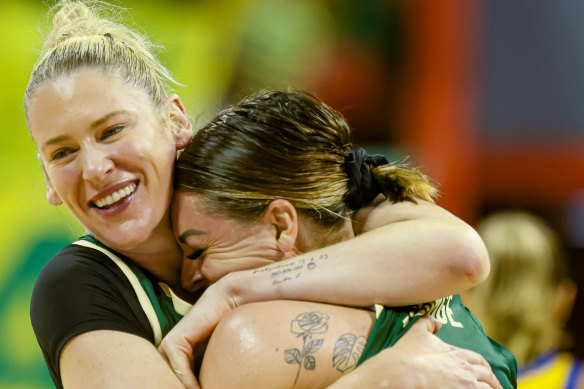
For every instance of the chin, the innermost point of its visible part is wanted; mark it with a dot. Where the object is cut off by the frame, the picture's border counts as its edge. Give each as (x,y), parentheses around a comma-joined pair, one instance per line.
(121,241)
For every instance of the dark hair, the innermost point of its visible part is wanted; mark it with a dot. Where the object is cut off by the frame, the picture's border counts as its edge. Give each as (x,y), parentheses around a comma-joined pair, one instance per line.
(281,145)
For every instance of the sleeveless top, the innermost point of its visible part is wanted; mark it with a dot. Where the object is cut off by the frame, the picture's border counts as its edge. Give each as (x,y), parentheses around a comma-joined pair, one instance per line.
(459,328)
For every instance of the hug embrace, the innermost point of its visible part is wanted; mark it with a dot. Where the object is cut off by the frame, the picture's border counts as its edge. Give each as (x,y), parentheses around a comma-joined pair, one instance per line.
(275,227)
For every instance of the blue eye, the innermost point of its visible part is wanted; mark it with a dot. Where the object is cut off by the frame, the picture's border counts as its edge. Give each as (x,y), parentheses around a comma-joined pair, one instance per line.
(111,132)
(195,254)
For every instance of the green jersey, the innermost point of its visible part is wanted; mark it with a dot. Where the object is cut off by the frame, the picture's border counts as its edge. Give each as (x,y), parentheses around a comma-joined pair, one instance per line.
(459,328)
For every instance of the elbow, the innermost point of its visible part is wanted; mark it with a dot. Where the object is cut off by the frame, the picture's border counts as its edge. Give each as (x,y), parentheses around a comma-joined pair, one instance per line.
(471,262)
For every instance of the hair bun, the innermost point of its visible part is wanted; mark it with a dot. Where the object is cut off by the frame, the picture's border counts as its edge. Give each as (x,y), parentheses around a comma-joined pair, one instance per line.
(80,19)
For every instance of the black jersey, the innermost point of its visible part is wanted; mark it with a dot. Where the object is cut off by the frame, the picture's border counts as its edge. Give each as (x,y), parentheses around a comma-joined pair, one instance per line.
(88,287)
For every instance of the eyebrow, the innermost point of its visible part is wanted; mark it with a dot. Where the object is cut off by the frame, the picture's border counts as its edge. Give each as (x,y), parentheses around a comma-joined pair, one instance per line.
(190,232)
(104,118)
(54,140)
(63,137)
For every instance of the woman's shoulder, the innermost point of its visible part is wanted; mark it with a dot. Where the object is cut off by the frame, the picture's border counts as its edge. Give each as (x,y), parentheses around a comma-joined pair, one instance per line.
(81,289)
(79,275)
(74,258)
(72,267)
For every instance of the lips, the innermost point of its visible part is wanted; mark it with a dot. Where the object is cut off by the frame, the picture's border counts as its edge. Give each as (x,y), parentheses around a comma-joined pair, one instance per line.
(115,199)
(109,200)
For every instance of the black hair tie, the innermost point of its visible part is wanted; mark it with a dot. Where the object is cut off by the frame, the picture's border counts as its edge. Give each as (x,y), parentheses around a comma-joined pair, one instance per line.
(363,187)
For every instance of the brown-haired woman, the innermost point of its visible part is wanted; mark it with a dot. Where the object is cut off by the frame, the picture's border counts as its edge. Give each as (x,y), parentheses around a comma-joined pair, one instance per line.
(107,127)
(306,185)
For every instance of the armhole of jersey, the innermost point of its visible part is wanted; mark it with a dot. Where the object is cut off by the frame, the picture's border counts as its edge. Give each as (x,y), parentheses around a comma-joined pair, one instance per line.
(179,305)
(143,299)
(378,309)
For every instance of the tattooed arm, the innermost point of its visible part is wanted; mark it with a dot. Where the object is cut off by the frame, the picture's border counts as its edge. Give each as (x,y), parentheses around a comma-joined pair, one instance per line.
(422,244)
(285,344)
(401,247)
(291,344)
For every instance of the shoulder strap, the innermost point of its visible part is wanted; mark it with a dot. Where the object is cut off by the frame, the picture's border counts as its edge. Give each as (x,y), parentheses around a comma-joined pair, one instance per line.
(143,299)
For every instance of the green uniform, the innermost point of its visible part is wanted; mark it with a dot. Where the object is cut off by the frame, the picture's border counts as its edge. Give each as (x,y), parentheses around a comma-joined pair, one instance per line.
(459,328)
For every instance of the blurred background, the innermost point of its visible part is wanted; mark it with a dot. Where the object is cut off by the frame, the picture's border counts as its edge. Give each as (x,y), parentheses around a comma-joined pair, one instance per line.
(487,97)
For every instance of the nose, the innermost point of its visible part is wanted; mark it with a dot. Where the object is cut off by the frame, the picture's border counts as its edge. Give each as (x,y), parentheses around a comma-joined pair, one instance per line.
(96,163)
(191,273)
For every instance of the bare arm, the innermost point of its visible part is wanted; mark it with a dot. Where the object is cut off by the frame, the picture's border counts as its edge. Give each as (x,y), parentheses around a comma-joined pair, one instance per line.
(269,345)
(113,359)
(421,244)
(402,246)
(285,344)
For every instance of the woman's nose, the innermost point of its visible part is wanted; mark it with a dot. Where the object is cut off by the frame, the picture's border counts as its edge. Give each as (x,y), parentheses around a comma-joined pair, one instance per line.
(96,163)
(190,273)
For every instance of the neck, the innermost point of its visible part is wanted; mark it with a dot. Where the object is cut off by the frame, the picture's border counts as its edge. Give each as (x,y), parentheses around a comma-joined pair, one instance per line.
(159,255)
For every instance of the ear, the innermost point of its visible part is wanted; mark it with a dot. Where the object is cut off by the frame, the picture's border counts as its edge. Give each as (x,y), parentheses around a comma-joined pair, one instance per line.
(181,127)
(52,195)
(282,215)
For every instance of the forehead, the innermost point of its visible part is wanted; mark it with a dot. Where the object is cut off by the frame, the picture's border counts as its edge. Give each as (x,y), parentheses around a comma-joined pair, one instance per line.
(78,99)
(190,212)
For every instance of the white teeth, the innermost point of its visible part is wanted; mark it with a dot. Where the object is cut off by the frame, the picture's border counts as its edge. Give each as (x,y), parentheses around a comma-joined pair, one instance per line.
(116,196)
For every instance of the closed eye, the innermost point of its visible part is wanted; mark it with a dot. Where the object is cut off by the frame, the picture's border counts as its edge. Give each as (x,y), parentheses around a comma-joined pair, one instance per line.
(195,254)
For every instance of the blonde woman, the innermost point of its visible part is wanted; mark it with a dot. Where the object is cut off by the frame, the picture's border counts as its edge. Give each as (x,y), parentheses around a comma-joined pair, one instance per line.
(528,298)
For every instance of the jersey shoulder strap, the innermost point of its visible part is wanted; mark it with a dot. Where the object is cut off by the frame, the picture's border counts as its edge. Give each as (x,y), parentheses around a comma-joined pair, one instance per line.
(143,298)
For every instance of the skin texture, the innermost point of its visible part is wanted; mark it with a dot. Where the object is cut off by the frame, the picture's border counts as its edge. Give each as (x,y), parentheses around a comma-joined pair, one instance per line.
(216,246)
(251,340)
(113,359)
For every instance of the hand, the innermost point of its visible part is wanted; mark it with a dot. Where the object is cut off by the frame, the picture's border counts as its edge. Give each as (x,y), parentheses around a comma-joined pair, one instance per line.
(421,360)
(440,365)
(197,325)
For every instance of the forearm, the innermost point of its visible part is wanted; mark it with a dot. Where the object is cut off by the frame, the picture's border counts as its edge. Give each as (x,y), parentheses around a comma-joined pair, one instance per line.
(384,266)
(112,359)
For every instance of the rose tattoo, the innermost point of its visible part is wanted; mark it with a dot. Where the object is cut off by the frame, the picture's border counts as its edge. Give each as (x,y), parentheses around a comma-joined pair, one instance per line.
(306,325)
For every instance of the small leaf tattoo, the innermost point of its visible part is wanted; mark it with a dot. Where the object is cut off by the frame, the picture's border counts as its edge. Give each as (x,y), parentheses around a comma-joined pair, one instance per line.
(347,352)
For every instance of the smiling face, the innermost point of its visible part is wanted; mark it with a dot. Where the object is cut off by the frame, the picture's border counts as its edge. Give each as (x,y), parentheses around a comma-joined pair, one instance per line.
(107,155)
(214,246)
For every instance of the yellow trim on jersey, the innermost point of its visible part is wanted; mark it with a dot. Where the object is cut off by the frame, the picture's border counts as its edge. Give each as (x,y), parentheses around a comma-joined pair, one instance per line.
(140,293)
(180,306)
(378,310)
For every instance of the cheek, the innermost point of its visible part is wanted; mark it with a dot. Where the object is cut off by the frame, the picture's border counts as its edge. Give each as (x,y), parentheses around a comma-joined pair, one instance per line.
(158,148)
(156,153)
(63,178)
